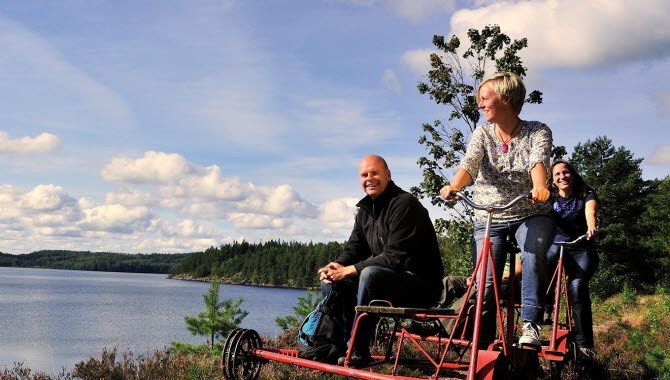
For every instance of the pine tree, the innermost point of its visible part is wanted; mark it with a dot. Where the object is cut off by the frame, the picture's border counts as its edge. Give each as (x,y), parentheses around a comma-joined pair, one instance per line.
(305,306)
(617,178)
(219,317)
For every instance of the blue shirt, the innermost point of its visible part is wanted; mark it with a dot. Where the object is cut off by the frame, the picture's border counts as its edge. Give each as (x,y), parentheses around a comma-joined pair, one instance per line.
(570,215)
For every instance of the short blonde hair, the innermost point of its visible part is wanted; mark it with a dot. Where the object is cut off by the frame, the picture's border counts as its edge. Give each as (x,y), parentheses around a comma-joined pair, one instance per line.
(508,87)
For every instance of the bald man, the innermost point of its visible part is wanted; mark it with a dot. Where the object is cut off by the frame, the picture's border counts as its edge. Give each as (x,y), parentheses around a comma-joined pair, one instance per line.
(392,253)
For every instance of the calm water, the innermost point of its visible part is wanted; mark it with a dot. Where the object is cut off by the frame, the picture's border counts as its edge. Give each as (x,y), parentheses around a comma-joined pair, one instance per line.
(55,318)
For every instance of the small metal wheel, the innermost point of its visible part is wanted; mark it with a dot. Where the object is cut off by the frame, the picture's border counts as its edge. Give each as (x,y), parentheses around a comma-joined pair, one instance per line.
(227,352)
(232,336)
(382,333)
(238,358)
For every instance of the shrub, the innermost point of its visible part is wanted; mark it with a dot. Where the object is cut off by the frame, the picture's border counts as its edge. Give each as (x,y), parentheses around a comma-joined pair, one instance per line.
(635,346)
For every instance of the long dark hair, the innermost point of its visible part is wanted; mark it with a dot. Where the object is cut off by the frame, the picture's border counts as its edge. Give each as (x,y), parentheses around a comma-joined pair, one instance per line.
(579,186)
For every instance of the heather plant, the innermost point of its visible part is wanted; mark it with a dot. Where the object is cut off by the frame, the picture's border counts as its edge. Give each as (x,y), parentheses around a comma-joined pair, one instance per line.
(635,344)
(161,365)
(21,372)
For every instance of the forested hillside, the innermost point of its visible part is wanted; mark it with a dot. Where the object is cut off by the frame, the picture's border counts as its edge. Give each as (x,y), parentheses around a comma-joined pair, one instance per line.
(274,263)
(94,261)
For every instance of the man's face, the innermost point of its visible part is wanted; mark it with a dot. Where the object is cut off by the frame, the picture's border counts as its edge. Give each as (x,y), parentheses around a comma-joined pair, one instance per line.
(374,176)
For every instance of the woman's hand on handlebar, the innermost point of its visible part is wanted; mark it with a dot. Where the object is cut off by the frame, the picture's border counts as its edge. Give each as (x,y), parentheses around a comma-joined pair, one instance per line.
(591,233)
(539,194)
(446,191)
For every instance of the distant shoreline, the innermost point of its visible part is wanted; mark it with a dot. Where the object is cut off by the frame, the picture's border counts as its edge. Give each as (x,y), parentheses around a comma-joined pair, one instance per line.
(188,277)
(181,277)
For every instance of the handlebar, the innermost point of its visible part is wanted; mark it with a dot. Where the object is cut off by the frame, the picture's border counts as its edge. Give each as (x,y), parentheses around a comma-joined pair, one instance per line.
(571,243)
(490,208)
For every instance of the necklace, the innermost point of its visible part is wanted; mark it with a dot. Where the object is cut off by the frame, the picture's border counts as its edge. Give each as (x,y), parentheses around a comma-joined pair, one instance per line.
(504,148)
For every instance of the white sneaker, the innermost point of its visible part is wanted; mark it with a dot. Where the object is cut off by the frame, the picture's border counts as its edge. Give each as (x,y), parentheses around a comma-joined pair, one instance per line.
(531,335)
(587,353)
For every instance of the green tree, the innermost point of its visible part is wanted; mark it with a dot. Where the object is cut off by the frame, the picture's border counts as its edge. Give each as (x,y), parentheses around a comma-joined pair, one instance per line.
(617,178)
(219,317)
(455,245)
(305,306)
(656,230)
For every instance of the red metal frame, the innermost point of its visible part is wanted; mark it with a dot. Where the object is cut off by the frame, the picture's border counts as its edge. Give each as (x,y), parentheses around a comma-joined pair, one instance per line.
(561,333)
(481,364)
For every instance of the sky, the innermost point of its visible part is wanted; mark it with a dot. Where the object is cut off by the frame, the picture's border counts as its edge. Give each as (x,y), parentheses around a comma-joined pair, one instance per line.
(173,126)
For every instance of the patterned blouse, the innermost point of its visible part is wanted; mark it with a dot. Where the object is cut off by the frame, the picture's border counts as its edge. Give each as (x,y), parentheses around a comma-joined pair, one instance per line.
(499,177)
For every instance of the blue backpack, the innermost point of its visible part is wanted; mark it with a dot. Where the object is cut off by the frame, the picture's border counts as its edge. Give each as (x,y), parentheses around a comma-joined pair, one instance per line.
(323,334)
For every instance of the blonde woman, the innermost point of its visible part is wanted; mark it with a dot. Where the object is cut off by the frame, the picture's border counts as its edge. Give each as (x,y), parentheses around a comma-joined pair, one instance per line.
(506,157)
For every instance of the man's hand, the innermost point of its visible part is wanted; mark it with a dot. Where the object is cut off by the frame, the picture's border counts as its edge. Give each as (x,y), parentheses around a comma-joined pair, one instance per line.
(334,272)
(540,194)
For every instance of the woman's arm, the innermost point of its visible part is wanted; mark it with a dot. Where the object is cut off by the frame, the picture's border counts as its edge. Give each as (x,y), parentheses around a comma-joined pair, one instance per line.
(591,211)
(469,166)
(539,176)
(460,180)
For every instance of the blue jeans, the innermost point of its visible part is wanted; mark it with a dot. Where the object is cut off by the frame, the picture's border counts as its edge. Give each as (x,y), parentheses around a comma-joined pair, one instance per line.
(534,235)
(580,265)
(378,283)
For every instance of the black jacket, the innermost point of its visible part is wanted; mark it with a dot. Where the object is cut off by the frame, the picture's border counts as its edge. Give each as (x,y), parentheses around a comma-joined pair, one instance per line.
(394,231)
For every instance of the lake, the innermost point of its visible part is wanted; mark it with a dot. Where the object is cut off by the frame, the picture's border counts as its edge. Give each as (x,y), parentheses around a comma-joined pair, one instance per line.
(53,318)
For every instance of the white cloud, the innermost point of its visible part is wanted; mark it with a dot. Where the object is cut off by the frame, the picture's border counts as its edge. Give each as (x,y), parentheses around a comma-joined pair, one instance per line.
(660,156)
(54,219)
(129,197)
(338,213)
(576,33)
(190,228)
(186,228)
(283,198)
(390,81)
(204,192)
(154,167)
(255,221)
(203,210)
(418,60)
(9,195)
(207,183)
(62,231)
(44,142)
(46,198)
(281,201)
(116,218)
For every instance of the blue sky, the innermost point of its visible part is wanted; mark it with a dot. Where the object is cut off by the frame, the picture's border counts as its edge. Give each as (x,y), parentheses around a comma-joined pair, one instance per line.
(172,126)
